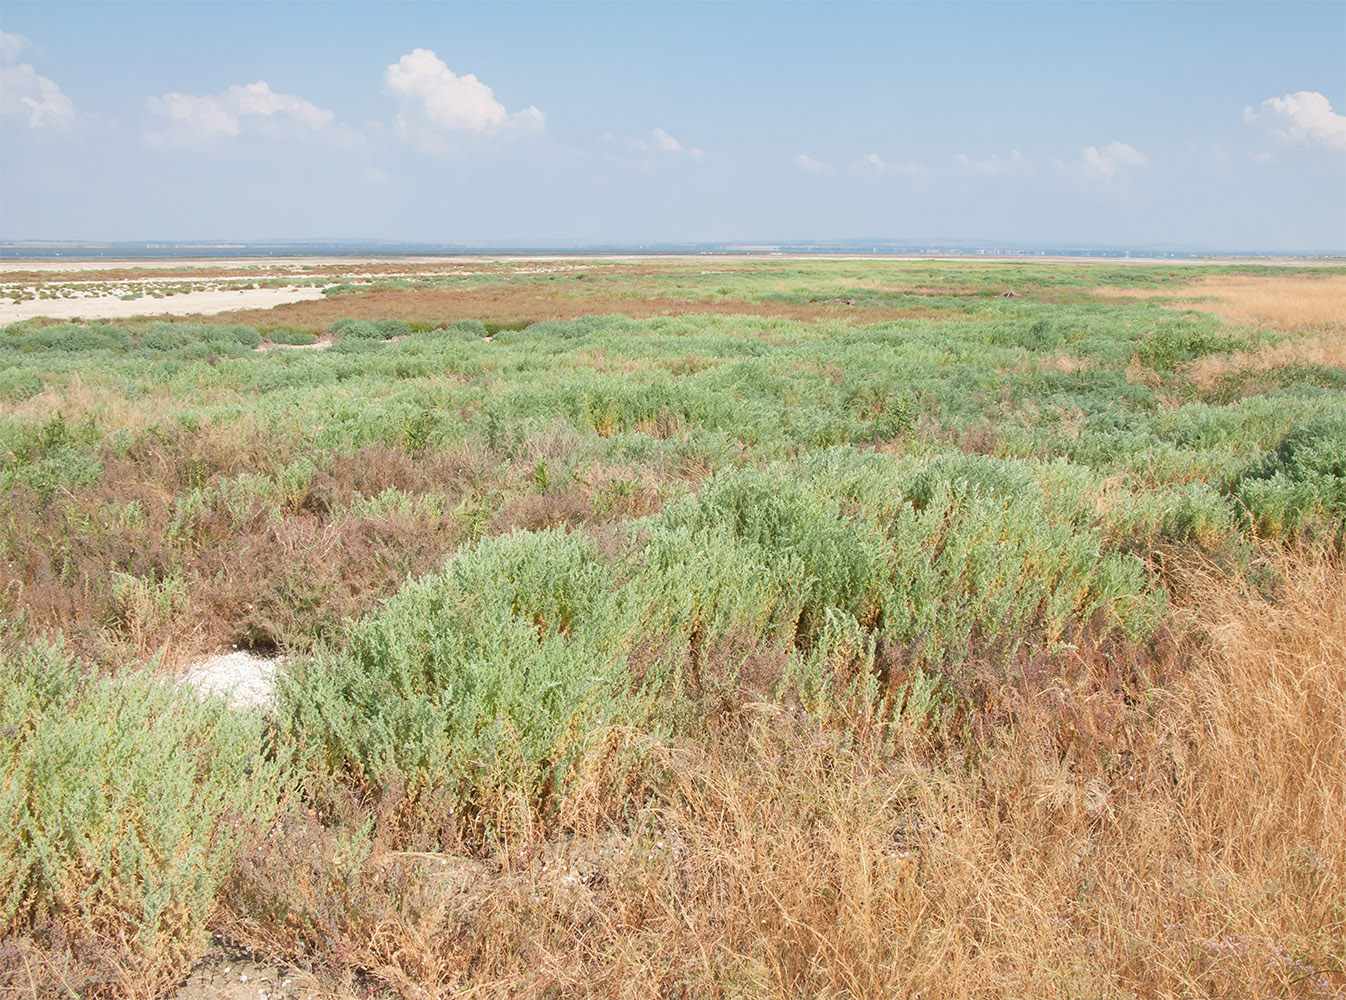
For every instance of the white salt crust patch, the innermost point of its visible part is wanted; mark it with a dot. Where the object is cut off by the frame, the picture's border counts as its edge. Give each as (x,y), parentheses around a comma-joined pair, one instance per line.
(247,680)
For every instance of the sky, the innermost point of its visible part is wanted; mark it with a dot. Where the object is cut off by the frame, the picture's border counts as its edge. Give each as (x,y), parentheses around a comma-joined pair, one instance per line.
(1209,126)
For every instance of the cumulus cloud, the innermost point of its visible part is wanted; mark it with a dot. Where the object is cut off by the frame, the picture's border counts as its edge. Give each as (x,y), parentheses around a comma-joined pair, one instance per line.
(198,120)
(811,166)
(1305,117)
(1104,163)
(37,98)
(995,164)
(436,101)
(25,94)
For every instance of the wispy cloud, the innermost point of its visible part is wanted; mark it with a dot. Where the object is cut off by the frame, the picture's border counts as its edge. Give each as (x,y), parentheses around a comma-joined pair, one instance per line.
(873,164)
(1104,163)
(657,142)
(11,46)
(811,166)
(1305,118)
(995,164)
(26,94)
(435,102)
(195,120)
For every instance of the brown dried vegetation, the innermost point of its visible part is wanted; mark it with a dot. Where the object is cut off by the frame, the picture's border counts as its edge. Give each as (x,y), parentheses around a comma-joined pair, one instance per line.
(1186,839)
(509,306)
(1327,349)
(1280,302)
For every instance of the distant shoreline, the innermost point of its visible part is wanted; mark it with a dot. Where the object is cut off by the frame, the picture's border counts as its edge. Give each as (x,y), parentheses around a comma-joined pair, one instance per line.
(52,262)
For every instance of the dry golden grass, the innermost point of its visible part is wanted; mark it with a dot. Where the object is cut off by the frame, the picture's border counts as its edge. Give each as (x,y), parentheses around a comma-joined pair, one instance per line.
(1328,348)
(1192,844)
(77,400)
(1289,302)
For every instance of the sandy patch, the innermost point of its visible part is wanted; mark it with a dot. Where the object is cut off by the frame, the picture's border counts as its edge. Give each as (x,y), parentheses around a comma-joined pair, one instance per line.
(221,976)
(321,344)
(197,303)
(1283,303)
(247,680)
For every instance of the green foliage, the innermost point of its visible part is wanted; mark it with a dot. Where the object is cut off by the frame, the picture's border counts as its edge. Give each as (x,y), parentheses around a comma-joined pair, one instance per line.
(1172,344)
(498,673)
(293,338)
(362,329)
(122,805)
(17,385)
(1300,482)
(69,338)
(467,329)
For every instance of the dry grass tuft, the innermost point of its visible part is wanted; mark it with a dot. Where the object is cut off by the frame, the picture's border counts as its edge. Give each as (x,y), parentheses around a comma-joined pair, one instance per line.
(1289,302)
(1327,349)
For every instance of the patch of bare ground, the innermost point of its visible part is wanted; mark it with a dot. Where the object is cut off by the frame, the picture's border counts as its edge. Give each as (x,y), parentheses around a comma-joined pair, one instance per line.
(1282,303)
(225,976)
(321,344)
(247,680)
(203,303)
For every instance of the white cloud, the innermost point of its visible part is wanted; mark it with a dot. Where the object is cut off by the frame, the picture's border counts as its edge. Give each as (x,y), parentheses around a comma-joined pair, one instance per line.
(811,166)
(1305,117)
(658,142)
(435,101)
(1263,157)
(195,120)
(1104,163)
(995,164)
(40,100)
(26,94)
(664,141)
(374,175)
(11,45)
(873,165)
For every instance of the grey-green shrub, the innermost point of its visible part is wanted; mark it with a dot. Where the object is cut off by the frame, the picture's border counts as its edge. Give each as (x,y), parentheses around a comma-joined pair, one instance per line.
(123,801)
(1301,480)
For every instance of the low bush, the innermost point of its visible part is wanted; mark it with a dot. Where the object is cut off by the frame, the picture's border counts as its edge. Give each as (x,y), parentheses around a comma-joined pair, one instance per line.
(292,338)
(1302,481)
(123,804)
(365,329)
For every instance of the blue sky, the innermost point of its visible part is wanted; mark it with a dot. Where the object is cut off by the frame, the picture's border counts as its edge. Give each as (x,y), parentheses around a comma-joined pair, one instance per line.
(1208,125)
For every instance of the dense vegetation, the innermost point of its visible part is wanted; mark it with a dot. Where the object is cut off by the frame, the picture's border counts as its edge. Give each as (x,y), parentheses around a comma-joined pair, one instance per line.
(665,654)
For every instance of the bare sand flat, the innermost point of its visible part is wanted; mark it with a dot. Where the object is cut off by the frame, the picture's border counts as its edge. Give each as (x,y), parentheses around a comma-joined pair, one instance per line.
(114,307)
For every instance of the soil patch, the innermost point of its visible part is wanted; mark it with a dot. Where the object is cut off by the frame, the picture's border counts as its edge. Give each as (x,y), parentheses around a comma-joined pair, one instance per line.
(113,307)
(222,976)
(246,679)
